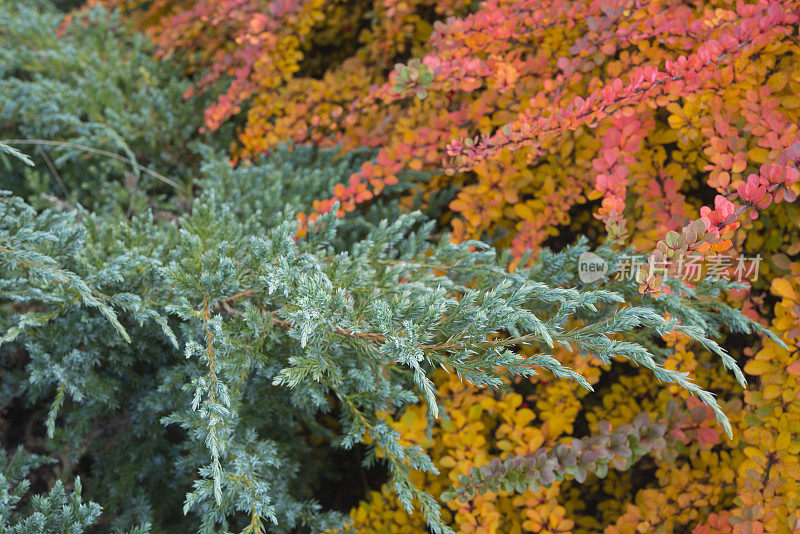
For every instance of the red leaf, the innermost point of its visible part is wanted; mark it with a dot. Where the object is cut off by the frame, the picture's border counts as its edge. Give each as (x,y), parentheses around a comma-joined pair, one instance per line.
(707,436)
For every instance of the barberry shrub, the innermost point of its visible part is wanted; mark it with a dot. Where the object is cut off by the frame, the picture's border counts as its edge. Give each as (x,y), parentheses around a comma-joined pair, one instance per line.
(548,104)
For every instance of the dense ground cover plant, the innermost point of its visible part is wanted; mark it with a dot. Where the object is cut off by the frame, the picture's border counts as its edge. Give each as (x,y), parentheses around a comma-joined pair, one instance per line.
(666,139)
(102,119)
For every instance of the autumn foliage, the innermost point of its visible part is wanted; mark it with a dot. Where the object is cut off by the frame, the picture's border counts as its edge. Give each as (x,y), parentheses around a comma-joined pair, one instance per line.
(668,125)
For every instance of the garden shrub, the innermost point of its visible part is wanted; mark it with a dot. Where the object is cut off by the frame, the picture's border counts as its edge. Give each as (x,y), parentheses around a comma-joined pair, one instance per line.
(524,70)
(97,89)
(54,512)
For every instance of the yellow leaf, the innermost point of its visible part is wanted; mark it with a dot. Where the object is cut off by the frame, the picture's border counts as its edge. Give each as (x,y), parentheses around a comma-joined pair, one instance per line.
(676,121)
(594,194)
(447,461)
(783,441)
(757,367)
(475,412)
(523,416)
(664,137)
(790,102)
(752,452)
(487,403)
(504,445)
(782,287)
(772,391)
(523,211)
(758,154)
(778,81)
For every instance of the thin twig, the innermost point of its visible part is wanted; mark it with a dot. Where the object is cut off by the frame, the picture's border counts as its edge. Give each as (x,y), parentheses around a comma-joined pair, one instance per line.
(98,151)
(133,181)
(53,170)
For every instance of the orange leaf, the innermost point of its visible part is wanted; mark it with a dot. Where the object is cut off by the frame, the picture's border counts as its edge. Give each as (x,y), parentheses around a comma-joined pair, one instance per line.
(782,287)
